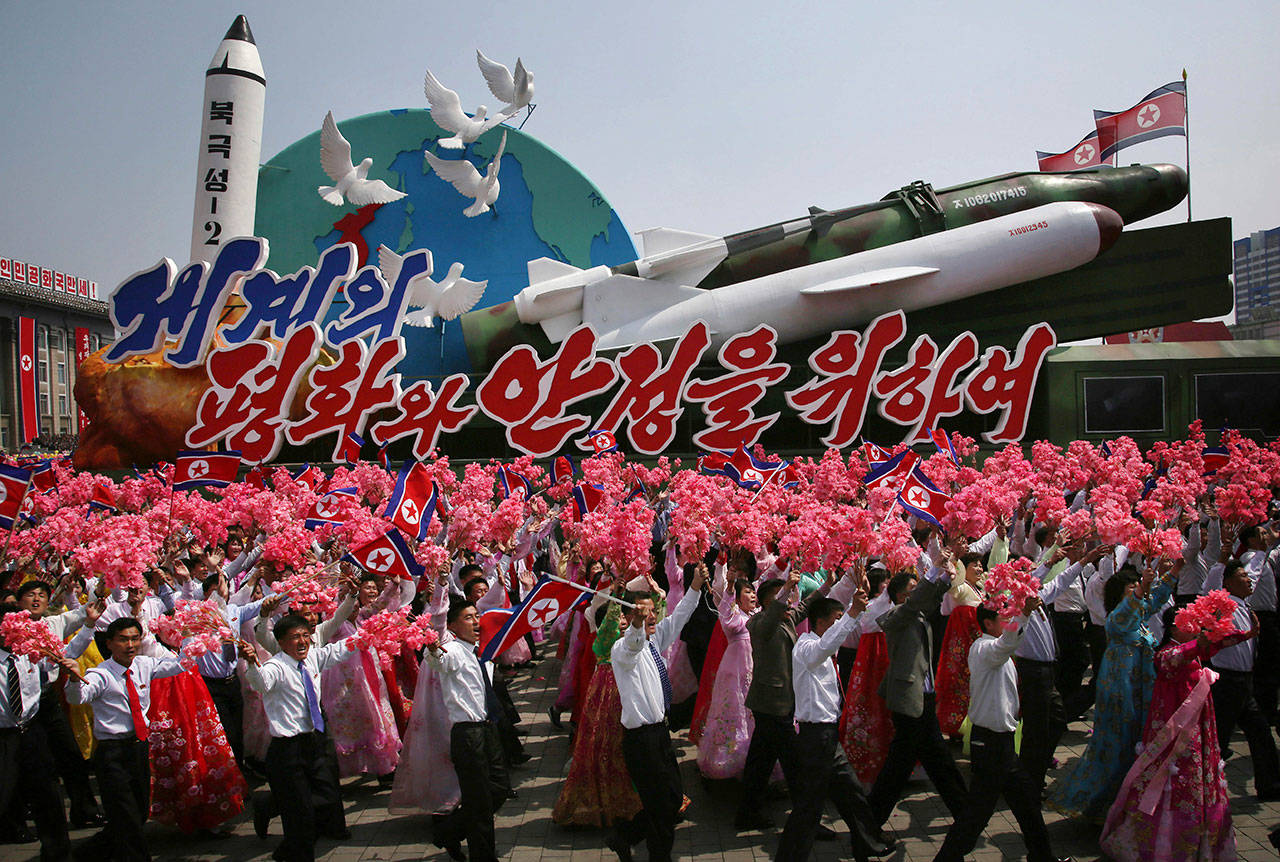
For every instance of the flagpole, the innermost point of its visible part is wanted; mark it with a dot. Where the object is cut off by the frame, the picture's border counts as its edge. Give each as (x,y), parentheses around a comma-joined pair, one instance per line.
(1186,129)
(587,589)
(762,484)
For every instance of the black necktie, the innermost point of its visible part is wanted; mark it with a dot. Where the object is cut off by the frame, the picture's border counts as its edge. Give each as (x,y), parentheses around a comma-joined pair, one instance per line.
(492,707)
(15,691)
(662,677)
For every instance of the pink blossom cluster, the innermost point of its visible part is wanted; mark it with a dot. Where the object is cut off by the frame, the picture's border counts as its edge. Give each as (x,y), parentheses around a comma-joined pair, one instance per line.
(1009,585)
(700,503)
(306,589)
(388,631)
(1210,615)
(119,548)
(200,622)
(434,558)
(27,635)
(620,536)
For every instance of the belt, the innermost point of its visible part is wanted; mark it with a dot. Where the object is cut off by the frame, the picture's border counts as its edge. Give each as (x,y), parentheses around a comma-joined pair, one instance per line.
(471,723)
(21,728)
(1034,661)
(228,678)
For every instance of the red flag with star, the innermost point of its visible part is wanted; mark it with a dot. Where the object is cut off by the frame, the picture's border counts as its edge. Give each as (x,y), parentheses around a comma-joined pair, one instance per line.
(1162,112)
(1086,154)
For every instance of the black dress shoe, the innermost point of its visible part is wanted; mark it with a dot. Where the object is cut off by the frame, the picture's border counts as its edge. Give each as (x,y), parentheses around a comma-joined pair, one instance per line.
(825,833)
(454,849)
(20,835)
(619,845)
(83,820)
(554,715)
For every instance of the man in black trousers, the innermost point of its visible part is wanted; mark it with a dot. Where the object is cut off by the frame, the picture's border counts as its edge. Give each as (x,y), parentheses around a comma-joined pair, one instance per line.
(645,691)
(26,764)
(996,768)
(908,690)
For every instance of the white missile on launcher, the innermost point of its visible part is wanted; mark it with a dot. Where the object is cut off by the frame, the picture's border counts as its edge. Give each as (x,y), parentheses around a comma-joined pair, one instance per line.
(235,91)
(811,300)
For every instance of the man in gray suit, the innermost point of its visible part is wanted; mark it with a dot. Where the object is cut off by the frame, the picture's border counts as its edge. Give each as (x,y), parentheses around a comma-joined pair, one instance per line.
(908,691)
(770,697)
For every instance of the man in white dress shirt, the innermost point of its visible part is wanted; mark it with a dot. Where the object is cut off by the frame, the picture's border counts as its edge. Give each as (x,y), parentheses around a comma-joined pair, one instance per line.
(822,770)
(119,690)
(26,764)
(645,691)
(34,596)
(483,783)
(995,766)
(1233,698)
(302,766)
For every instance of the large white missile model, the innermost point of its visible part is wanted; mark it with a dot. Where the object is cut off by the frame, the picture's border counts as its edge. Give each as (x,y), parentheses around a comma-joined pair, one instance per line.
(235,90)
(661,303)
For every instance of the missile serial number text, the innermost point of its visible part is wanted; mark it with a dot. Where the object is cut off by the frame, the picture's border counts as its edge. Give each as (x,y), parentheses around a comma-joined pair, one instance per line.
(1040,225)
(991,197)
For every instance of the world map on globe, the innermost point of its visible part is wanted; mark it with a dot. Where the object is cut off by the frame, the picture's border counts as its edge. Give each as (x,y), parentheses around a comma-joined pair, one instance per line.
(546,208)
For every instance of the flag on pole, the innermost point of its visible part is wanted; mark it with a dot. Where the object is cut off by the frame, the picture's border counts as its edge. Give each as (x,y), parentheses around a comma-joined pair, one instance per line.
(1084,155)
(562,470)
(387,555)
(586,498)
(544,603)
(1161,112)
(922,498)
(602,441)
(197,469)
(510,480)
(894,471)
(874,454)
(412,500)
(943,442)
(351,448)
(1215,458)
(102,499)
(327,508)
(13,488)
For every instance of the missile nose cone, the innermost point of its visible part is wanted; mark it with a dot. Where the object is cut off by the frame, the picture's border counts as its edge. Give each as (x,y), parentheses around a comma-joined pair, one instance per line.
(240,30)
(1109,225)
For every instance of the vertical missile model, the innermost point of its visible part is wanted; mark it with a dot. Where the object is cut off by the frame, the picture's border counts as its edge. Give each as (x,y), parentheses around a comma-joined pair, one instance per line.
(235,90)
(915,248)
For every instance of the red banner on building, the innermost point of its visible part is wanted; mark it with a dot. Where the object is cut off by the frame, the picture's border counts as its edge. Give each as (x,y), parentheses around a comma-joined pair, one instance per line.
(82,353)
(28,384)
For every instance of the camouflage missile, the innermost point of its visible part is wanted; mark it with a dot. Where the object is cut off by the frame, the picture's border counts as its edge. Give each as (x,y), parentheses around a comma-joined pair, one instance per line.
(677,264)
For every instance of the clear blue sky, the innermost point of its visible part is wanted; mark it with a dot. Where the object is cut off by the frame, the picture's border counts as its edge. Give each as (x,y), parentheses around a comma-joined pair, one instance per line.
(707,116)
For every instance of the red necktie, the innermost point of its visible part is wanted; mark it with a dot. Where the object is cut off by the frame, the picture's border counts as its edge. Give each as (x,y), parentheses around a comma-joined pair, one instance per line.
(135,707)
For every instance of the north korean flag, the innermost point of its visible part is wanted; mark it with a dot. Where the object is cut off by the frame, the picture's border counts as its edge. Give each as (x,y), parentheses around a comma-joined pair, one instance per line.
(312,477)
(874,454)
(43,476)
(1215,458)
(13,488)
(602,441)
(586,499)
(749,471)
(351,448)
(562,470)
(412,500)
(1162,112)
(1084,155)
(509,480)
(893,472)
(199,469)
(328,508)
(383,458)
(545,602)
(257,477)
(923,499)
(943,442)
(387,555)
(103,499)
(714,463)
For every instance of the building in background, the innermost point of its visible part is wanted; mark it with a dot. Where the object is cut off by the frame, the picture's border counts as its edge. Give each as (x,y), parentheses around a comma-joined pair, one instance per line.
(65,320)
(1257,284)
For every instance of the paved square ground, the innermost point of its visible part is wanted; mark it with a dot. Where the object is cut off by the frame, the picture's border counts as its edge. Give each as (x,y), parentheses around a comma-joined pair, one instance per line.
(526,834)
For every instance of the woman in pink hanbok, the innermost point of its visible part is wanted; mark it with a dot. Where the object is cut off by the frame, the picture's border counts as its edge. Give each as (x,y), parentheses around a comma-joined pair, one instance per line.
(425,781)
(1173,806)
(357,707)
(726,733)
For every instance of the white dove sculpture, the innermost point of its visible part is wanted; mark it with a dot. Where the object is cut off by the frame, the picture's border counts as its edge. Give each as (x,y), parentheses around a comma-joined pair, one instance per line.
(446,110)
(467,180)
(351,183)
(444,299)
(516,90)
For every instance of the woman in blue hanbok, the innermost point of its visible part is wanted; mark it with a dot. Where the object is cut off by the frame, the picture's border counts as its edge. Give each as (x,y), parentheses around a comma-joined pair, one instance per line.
(1125,680)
